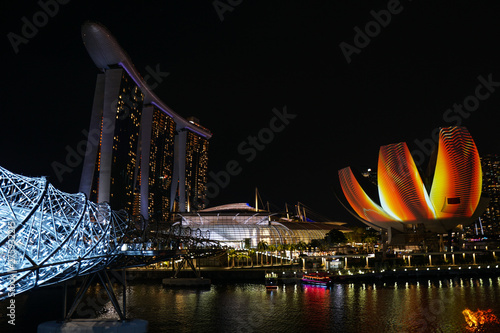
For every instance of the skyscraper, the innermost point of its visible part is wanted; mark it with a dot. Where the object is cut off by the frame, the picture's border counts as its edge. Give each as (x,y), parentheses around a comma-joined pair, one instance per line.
(196,168)
(149,160)
(491,186)
(161,164)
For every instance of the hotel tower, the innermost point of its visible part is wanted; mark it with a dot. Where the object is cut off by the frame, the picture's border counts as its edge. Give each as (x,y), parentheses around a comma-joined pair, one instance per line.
(141,155)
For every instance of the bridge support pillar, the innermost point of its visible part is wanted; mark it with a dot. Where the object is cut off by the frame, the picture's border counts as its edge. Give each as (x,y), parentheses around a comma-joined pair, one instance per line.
(189,261)
(108,286)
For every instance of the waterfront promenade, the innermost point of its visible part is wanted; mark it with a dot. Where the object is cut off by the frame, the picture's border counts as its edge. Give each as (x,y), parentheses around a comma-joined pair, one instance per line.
(348,267)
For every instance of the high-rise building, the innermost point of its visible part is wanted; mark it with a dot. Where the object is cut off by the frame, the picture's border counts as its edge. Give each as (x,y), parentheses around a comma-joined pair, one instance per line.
(161,164)
(491,186)
(147,160)
(196,169)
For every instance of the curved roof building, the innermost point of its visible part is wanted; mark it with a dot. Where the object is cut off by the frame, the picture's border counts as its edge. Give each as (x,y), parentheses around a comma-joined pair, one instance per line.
(141,155)
(241,226)
(453,198)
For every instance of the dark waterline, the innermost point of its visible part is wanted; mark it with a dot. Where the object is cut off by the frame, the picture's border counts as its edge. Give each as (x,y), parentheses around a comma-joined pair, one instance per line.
(412,306)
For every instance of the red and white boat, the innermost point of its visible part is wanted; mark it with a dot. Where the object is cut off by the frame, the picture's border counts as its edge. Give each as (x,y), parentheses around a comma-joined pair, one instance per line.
(320,278)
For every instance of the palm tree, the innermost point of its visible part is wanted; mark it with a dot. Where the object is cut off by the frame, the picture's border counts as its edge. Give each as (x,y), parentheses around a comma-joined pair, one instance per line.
(240,255)
(280,248)
(231,253)
(301,246)
(243,255)
(251,253)
(287,247)
(293,248)
(262,247)
(272,248)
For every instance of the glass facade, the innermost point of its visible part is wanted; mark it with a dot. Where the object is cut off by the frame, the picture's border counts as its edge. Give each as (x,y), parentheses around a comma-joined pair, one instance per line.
(124,179)
(124,189)
(161,164)
(240,230)
(196,170)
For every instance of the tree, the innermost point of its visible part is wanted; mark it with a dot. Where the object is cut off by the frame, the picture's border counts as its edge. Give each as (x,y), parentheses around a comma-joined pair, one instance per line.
(324,245)
(262,247)
(350,237)
(356,236)
(251,253)
(362,235)
(231,253)
(334,237)
(241,255)
(280,248)
(272,248)
(287,247)
(315,243)
(301,246)
(371,238)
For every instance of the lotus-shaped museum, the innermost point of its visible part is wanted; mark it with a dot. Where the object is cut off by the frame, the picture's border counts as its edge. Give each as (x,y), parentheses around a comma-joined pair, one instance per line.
(452,198)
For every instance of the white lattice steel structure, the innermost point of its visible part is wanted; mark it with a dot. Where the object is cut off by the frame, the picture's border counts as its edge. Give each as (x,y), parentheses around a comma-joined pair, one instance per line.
(48,236)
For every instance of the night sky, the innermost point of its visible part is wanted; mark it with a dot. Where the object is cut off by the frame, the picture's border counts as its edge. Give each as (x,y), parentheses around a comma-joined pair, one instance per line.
(231,66)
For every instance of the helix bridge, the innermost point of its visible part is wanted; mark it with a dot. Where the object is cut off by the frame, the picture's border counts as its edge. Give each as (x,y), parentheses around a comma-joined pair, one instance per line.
(48,236)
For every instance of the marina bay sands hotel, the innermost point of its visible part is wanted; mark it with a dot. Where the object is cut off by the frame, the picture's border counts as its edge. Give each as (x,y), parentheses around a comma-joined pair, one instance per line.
(147,160)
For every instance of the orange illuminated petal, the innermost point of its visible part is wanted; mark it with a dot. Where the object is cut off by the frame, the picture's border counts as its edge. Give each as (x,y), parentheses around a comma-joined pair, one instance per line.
(359,200)
(456,188)
(401,190)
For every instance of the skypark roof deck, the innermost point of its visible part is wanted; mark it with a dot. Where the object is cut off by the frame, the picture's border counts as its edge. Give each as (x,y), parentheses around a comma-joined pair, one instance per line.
(107,53)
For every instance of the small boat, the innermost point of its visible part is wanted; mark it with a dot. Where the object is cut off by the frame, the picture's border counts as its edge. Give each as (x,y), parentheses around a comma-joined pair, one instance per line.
(271,281)
(320,278)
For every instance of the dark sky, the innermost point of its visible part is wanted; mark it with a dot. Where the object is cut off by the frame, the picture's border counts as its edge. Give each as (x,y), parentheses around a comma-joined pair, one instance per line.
(231,73)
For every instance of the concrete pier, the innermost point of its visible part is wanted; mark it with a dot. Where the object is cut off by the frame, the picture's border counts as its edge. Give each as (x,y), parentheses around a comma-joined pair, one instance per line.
(187,282)
(94,325)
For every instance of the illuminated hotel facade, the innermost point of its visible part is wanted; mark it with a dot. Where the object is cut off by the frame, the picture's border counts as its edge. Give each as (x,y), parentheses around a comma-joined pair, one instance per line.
(147,160)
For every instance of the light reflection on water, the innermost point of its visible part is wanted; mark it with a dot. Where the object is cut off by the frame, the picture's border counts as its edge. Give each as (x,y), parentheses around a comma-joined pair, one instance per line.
(414,306)
(423,306)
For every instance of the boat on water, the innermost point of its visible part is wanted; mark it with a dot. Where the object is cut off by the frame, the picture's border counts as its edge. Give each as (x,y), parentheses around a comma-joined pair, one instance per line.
(319,278)
(271,281)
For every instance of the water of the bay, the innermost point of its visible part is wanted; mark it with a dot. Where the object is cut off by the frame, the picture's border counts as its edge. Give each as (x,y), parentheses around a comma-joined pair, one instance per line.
(391,306)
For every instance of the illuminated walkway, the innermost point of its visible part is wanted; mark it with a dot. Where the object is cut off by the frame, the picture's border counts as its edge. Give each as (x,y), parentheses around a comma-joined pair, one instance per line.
(48,236)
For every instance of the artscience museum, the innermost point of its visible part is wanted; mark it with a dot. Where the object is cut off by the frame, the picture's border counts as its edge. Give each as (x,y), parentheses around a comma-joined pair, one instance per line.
(409,205)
